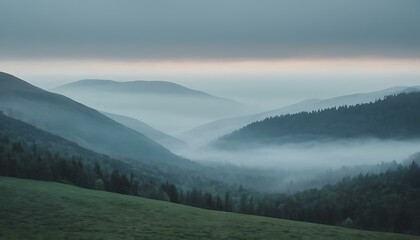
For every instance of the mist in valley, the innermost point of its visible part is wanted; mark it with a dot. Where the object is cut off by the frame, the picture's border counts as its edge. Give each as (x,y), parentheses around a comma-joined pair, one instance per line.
(287,168)
(299,166)
(308,156)
(188,119)
(283,168)
(172,110)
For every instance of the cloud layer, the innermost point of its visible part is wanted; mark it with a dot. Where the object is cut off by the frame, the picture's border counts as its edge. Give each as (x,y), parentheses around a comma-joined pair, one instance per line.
(228,29)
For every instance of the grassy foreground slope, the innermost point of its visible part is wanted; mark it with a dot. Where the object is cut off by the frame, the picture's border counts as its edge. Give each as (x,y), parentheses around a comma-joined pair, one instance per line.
(46,210)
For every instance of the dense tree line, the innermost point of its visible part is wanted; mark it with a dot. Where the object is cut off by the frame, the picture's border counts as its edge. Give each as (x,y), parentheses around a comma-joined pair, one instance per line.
(387,202)
(33,161)
(28,152)
(396,116)
(186,173)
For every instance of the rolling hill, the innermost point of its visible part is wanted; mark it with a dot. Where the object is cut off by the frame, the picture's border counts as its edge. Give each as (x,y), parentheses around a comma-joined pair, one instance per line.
(160,137)
(74,121)
(166,106)
(137,87)
(394,117)
(52,148)
(213,130)
(45,210)
(41,149)
(18,130)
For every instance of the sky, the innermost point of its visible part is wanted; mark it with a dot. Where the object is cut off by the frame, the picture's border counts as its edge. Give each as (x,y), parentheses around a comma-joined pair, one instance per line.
(249,50)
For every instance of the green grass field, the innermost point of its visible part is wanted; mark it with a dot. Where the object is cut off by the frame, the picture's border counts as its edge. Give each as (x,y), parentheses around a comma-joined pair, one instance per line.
(45,210)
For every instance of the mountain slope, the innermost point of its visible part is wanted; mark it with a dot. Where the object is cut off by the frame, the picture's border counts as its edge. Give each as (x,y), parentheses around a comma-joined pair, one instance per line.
(75,122)
(216,129)
(395,117)
(160,137)
(16,129)
(58,211)
(46,144)
(137,87)
(163,105)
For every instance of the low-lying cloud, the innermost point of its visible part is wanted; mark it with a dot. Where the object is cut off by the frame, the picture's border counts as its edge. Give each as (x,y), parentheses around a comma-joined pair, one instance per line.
(295,167)
(310,156)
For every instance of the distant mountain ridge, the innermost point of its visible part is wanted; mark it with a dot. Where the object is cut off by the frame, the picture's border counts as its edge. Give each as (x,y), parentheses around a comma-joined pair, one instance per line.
(138,86)
(216,129)
(166,106)
(394,117)
(69,119)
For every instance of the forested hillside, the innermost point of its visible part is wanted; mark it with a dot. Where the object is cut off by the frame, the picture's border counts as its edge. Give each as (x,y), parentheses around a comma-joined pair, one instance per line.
(78,123)
(385,202)
(28,152)
(382,202)
(395,117)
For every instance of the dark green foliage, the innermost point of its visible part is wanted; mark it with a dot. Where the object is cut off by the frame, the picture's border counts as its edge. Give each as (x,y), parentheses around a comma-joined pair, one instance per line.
(44,143)
(171,191)
(228,202)
(42,165)
(383,202)
(395,117)
(27,152)
(17,147)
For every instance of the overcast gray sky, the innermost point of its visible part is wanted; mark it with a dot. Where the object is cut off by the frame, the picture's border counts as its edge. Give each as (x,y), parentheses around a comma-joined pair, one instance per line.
(216,29)
(272,51)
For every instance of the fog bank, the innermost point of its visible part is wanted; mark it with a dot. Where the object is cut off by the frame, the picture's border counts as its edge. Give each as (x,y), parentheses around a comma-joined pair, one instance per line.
(309,156)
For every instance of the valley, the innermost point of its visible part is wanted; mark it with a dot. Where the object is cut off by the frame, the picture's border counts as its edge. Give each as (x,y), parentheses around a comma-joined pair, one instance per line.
(240,119)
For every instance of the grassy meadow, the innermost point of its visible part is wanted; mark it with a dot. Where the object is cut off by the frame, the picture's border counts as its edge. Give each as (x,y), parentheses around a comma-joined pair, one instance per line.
(47,210)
